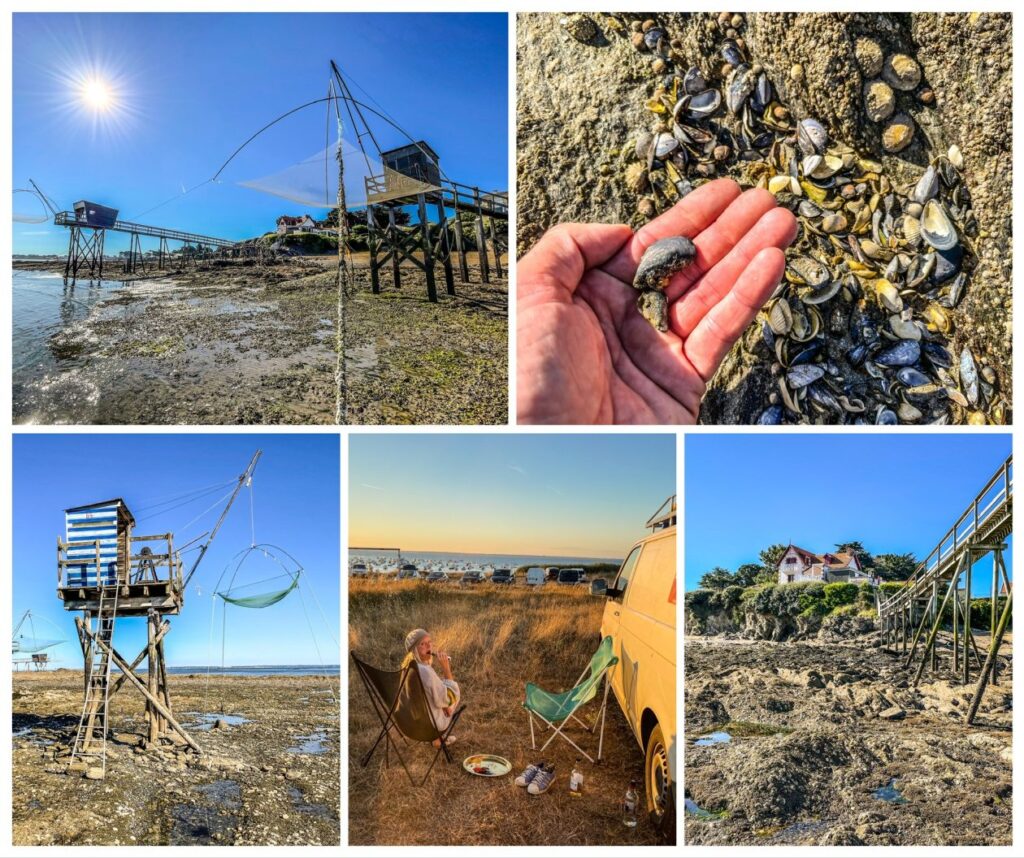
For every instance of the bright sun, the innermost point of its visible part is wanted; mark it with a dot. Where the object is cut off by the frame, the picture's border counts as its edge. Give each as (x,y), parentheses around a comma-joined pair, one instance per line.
(97,95)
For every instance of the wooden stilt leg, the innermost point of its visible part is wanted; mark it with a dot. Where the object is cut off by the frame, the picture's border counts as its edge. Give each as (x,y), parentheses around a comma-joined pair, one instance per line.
(428,257)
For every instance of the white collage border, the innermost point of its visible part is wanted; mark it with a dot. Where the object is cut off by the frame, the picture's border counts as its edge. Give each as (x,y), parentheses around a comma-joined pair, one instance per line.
(510,7)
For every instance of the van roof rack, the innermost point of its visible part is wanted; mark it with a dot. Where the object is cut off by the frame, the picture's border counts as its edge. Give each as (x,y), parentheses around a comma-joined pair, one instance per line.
(665,516)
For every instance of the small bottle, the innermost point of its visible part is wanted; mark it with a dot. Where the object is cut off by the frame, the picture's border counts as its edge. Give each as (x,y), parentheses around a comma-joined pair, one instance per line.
(629,805)
(576,781)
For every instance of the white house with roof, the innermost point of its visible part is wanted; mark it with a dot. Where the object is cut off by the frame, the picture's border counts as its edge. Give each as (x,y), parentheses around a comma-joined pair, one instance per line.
(287,224)
(798,564)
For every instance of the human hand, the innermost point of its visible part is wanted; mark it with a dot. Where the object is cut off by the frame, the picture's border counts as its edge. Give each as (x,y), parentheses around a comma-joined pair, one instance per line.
(586,355)
(446,663)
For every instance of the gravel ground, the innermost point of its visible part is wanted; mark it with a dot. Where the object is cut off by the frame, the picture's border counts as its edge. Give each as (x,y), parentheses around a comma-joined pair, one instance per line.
(247,787)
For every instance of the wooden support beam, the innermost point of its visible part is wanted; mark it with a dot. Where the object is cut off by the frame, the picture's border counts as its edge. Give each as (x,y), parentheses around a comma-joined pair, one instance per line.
(151,676)
(993,653)
(165,627)
(497,250)
(461,248)
(930,644)
(446,251)
(396,272)
(428,260)
(481,243)
(141,686)
(372,246)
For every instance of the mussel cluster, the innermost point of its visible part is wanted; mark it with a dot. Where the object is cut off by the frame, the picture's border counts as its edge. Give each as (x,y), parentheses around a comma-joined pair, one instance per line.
(859,329)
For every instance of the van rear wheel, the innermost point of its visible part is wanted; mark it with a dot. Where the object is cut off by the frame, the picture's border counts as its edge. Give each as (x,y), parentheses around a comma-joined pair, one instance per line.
(658,786)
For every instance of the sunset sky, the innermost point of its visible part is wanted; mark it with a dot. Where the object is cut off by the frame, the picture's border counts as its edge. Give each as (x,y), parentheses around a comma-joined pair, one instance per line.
(566,495)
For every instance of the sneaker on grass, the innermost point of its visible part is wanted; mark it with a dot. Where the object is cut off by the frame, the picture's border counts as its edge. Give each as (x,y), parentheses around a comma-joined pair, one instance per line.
(529,773)
(541,781)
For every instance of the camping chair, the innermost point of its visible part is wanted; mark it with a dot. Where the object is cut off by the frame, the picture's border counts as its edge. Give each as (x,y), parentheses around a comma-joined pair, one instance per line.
(550,707)
(401,705)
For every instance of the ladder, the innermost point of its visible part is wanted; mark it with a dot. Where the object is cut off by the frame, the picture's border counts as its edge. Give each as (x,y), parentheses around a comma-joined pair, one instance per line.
(92,728)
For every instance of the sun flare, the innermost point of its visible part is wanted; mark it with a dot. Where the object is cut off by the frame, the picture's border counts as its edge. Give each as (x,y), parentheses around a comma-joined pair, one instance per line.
(97,95)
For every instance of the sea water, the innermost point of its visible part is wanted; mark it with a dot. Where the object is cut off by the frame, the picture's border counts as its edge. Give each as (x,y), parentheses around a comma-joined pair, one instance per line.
(48,384)
(260,670)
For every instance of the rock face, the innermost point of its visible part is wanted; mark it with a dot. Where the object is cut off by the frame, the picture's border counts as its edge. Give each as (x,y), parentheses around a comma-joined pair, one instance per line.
(579,104)
(747,623)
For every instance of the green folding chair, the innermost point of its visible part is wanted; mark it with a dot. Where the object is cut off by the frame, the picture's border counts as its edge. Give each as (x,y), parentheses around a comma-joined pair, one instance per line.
(552,707)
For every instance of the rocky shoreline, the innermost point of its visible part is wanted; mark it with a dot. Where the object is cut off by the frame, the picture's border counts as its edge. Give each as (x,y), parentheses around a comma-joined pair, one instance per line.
(825,743)
(237,342)
(269,773)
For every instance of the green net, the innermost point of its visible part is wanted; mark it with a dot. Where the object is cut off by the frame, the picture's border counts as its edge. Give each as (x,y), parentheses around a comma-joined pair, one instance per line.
(555,706)
(263,600)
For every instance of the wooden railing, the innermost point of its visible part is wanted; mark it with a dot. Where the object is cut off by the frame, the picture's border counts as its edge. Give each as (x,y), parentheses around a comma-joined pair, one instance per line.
(984,511)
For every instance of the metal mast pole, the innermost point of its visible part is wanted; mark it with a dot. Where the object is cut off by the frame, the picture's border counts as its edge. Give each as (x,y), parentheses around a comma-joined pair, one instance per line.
(242,480)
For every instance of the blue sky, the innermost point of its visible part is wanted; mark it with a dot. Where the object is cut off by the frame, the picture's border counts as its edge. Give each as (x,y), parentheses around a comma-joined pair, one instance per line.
(190,88)
(295,506)
(565,495)
(893,493)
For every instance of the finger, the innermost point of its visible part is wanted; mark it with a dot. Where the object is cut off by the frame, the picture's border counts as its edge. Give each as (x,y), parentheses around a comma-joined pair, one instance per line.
(723,324)
(555,265)
(718,240)
(775,228)
(690,216)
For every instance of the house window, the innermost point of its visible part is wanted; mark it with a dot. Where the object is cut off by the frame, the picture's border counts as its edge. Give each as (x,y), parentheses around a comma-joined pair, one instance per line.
(790,560)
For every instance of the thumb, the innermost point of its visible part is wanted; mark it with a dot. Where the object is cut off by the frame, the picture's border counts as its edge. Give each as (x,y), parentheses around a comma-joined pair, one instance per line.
(556,264)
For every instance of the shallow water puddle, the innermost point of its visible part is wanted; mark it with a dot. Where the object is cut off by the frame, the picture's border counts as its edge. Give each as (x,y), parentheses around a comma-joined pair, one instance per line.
(30,734)
(798,829)
(889,793)
(697,812)
(204,721)
(719,737)
(315,743)
(302,806)
(209,822)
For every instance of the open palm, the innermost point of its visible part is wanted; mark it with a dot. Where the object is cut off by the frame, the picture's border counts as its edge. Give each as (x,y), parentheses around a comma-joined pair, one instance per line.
(585,355)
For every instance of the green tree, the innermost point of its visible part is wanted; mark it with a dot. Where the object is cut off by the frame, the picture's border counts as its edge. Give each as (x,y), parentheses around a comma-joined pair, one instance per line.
(771,556)
(747,574)
(717,579)
(895,567)
(866,560)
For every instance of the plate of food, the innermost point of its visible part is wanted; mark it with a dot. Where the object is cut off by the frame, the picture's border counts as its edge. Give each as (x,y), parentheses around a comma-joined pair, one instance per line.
(486,765)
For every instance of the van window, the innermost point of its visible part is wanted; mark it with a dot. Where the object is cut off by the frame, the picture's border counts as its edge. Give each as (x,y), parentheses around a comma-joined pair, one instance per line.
(626,573)
(648,590)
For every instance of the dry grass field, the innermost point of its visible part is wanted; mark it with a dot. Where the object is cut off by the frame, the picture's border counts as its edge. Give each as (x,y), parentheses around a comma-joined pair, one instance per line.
(499,638)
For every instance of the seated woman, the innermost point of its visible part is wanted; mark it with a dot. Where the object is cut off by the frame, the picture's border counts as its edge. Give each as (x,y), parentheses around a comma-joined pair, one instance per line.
(442,693)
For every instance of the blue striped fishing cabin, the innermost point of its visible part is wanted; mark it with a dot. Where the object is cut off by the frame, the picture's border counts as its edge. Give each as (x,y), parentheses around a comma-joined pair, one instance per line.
(100,551)
(97,537)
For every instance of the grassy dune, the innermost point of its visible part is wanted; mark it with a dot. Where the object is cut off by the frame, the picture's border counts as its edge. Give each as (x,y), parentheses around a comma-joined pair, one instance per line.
(499,638)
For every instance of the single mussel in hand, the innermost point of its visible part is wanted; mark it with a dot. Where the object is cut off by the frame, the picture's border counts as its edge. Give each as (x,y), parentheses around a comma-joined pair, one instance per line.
(659,263)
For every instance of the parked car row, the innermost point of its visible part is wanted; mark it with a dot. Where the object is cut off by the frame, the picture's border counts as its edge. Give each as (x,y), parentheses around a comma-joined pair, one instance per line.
(535,576)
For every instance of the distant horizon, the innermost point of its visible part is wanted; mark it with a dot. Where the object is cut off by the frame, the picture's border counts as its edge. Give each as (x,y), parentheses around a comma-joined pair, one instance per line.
(357,550)
(558,495)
